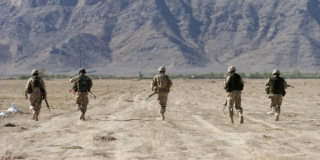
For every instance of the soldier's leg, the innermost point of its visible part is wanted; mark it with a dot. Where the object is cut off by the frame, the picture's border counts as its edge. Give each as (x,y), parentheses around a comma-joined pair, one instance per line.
(32,106)
(238,106)
(78,99)
(278,102)
(272,104)
(85,102)
(230,103)
(83,111)
(37,106)
(162,104)
(39,98)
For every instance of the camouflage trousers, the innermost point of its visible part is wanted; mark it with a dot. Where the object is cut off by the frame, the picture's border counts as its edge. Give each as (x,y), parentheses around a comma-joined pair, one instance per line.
(234,98)
(35,104)
(275,100)
(82,101)
(162,99)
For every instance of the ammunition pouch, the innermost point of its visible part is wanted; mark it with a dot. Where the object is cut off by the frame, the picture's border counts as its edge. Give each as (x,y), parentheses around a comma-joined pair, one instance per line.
(267,90)
(284,92)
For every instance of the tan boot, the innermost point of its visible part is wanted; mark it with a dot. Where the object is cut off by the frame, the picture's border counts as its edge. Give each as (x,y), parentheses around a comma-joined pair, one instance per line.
(34,115)
(162,114)
(240,117)
(37,114)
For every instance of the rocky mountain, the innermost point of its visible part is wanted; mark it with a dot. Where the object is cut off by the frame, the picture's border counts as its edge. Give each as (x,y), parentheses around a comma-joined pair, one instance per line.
(117,37)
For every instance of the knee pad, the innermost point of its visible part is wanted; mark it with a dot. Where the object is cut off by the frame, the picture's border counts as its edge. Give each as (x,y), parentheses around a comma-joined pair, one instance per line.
(239,109)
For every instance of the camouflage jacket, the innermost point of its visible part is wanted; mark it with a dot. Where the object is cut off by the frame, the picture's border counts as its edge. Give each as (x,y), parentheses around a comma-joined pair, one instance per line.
(29,84)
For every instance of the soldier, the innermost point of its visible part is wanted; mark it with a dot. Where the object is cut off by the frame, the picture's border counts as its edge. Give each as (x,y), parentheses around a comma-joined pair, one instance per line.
(234,85)
(277,86)
(161,85)
(83,86)
(36,88)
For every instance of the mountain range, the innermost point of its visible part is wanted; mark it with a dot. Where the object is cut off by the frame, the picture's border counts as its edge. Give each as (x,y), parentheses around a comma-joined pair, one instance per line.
(123,37)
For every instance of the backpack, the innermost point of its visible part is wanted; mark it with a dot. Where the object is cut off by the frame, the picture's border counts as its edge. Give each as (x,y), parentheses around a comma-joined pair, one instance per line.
(163,81)
(234,83)
(35,84)
(83,83)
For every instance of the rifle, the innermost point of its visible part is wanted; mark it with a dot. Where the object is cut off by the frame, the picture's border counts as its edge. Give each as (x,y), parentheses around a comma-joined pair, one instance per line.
(150,96)
(290,86)
(226,103)
(154,88)
(43,97)
(94,97)
(47,104)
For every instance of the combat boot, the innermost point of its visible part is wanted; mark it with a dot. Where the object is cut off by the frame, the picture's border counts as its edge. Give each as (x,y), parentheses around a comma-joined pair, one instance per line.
(37,114)
(82,117)
(240,117)
(34,116)
(162,114)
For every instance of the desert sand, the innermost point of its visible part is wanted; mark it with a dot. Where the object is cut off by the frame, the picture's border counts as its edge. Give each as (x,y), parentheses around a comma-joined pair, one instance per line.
(121,124)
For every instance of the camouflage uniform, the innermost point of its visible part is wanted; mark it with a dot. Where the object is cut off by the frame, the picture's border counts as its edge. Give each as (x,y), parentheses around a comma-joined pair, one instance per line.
(161,91)
(276,99)
(234,97)
(81,98)
(35,97)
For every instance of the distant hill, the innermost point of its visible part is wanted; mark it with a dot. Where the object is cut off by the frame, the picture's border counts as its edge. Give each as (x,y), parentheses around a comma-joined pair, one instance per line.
(117,37)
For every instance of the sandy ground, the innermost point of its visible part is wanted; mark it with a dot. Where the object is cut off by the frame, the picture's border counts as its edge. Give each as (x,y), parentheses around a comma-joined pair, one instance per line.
(195,125)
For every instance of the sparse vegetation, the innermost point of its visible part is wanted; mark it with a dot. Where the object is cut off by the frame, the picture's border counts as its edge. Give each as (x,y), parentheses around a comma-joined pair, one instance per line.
(23,77)
(256,75)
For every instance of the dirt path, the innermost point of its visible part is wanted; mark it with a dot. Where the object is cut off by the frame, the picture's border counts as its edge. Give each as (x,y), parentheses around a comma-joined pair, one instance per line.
(121,124)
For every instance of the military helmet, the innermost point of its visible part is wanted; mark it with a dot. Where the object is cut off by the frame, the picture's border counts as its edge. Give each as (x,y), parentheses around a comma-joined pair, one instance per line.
(163,69)
(35,71)
(276,71)
(82,70)
(231,68)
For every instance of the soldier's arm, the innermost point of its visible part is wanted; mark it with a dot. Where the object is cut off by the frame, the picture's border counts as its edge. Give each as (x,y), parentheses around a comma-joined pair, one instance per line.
(170,82)
(153,84)
(91,83)
(241,81)
(285,85)
(225,83)
(73,80)
(27,86)
(267,82)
